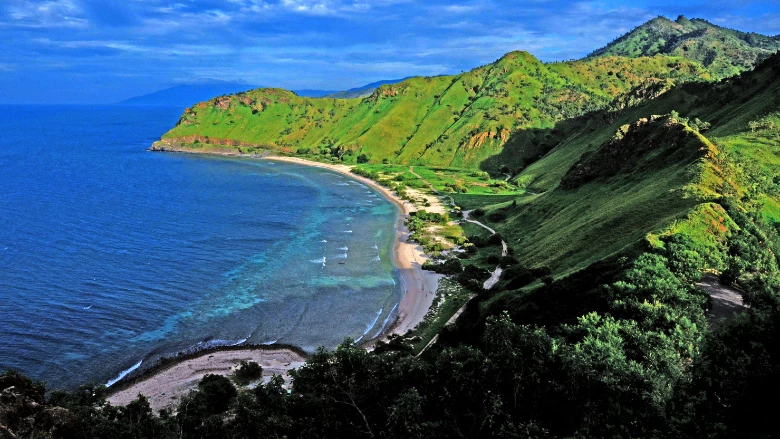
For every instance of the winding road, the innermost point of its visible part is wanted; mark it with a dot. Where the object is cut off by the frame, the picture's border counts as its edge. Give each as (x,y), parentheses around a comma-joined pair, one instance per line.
(494,277)
(504,251)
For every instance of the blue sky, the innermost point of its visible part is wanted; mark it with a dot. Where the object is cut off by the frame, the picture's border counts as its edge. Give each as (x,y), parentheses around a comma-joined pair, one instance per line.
(93,51)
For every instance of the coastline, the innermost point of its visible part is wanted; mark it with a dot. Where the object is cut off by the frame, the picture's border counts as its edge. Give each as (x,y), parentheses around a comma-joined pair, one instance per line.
(167,382)
(419,285)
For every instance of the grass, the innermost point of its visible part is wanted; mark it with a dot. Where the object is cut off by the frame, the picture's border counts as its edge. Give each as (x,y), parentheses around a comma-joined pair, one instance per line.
(455,121)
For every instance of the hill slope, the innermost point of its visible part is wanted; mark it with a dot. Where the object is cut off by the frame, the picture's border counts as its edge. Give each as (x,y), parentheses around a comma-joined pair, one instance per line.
(725,52)
(456,120)
(612,177)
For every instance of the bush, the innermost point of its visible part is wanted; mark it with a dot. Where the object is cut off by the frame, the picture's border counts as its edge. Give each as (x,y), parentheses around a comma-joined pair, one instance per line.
(495,239)
(450,266)
(248,371)
(497,216)
(218,392)
(506,261)
(473,277)
(478,242)
(362,158)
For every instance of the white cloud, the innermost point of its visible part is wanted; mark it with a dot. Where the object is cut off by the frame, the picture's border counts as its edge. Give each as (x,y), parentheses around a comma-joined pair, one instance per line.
(44,14)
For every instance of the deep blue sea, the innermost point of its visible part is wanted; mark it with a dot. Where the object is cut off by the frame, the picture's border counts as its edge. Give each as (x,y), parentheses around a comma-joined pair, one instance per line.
(111,255)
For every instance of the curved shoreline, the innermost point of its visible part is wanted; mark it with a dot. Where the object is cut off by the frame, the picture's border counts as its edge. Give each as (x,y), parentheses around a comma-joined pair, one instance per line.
(408,257)
(173,377)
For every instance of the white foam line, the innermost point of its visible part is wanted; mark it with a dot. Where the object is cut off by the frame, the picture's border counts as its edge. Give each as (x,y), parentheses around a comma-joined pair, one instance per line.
(123,374)
(238,342)
(384,324)
(368,328)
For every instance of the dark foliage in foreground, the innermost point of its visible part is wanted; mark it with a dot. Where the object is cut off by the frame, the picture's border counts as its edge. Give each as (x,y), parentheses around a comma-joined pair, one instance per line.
(643,366)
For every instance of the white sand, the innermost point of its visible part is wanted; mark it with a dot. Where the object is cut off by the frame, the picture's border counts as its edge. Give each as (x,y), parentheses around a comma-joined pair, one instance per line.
(166,387)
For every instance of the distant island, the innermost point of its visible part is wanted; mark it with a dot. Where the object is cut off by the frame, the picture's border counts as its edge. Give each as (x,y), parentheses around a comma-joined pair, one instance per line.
(190,94)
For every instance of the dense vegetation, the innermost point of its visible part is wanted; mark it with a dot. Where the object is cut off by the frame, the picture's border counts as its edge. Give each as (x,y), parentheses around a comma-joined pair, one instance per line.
(598,326)
(724,52)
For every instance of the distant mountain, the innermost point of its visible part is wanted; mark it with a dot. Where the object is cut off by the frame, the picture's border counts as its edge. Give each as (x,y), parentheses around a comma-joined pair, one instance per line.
(306,93)
(724,52)
(361,92)
(188,94)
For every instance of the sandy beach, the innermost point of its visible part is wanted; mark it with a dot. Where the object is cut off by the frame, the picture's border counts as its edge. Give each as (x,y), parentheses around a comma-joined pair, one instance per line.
(419,285)
(165,387)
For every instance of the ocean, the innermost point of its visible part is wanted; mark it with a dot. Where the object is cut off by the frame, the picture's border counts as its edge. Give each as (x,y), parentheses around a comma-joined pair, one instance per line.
(112,256)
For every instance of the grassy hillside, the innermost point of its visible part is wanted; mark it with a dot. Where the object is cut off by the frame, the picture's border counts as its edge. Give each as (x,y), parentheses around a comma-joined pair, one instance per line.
(456,121)
(725,52)
(616,176)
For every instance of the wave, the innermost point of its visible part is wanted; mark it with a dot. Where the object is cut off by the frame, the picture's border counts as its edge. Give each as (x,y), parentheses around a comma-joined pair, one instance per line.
(368,328)
(376,247)
(87,307)
(324,240)
(123,374)
(376,258)
(318,261)
(384,324)
(202,345)
(347,231)
(270,342)
(345,248)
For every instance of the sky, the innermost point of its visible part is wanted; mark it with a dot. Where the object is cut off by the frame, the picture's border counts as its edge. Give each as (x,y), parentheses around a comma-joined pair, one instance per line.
(92,51)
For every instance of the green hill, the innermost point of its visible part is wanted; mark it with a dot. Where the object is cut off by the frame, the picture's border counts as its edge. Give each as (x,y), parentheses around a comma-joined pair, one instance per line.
(725,52)
(614,176)
(458,121)
(627,179)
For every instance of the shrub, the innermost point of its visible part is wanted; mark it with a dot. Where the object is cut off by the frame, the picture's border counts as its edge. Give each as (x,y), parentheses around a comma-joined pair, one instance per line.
(495,239)
(473,277)
(248,371)
(218,391)
(497,216)
(450,266)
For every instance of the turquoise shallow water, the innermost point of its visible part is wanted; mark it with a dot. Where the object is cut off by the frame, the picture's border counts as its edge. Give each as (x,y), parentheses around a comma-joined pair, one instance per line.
(111,255)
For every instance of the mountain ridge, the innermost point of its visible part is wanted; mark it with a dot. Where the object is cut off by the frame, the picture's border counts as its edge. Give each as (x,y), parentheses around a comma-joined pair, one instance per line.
(724,51)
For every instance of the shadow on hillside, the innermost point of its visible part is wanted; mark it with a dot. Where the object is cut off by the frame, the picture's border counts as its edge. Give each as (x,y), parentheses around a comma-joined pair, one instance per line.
(526,146)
